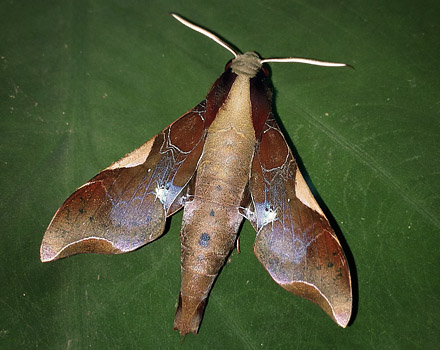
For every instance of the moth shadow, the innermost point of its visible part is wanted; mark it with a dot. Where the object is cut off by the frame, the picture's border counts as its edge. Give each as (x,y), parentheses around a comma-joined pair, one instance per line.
(325,209)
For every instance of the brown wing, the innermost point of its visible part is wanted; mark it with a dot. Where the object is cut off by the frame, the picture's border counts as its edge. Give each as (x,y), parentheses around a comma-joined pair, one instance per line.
(125,206)
(295,242)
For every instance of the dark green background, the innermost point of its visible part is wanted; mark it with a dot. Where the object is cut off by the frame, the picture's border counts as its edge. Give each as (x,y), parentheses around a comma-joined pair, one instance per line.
(84,82)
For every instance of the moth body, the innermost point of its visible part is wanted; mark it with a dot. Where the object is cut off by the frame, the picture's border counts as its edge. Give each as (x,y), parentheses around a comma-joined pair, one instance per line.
(211,218)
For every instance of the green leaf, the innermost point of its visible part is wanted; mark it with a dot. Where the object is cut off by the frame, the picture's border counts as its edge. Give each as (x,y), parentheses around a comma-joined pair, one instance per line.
(84,82)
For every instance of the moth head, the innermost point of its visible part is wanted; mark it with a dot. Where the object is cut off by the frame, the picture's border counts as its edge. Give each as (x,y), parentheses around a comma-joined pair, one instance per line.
(248,64)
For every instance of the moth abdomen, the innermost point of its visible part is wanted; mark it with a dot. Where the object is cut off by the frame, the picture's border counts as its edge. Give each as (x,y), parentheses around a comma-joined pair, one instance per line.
(207,238)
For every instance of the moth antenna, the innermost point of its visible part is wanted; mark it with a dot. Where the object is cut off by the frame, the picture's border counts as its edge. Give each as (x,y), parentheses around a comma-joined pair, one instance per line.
(206,33)
(306,61)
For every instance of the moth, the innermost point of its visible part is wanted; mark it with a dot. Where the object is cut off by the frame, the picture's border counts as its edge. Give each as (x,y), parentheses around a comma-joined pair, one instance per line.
(223,161)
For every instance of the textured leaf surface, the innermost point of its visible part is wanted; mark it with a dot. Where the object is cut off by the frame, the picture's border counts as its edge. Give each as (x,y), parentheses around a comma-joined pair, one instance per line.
(82,83)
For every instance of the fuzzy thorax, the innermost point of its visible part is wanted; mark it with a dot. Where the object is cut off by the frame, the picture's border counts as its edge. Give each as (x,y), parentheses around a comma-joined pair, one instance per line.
(247,64)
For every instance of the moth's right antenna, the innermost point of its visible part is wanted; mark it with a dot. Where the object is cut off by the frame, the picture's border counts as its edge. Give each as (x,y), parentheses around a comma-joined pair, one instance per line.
(206,33)
(305,60)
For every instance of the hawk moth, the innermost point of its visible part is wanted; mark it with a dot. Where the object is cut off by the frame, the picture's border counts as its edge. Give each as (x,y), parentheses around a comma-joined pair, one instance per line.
(223,161)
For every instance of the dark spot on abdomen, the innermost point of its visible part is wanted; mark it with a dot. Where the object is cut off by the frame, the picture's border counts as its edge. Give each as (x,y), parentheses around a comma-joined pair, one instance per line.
(204,239)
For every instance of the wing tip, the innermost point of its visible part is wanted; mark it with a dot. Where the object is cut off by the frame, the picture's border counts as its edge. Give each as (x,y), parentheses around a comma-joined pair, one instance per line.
(339,309)
(340,312)
(342,319)
(46,253)
(89,245)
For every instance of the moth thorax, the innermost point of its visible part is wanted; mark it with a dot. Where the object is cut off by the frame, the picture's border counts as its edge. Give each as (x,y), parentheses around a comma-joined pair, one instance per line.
(247,64)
